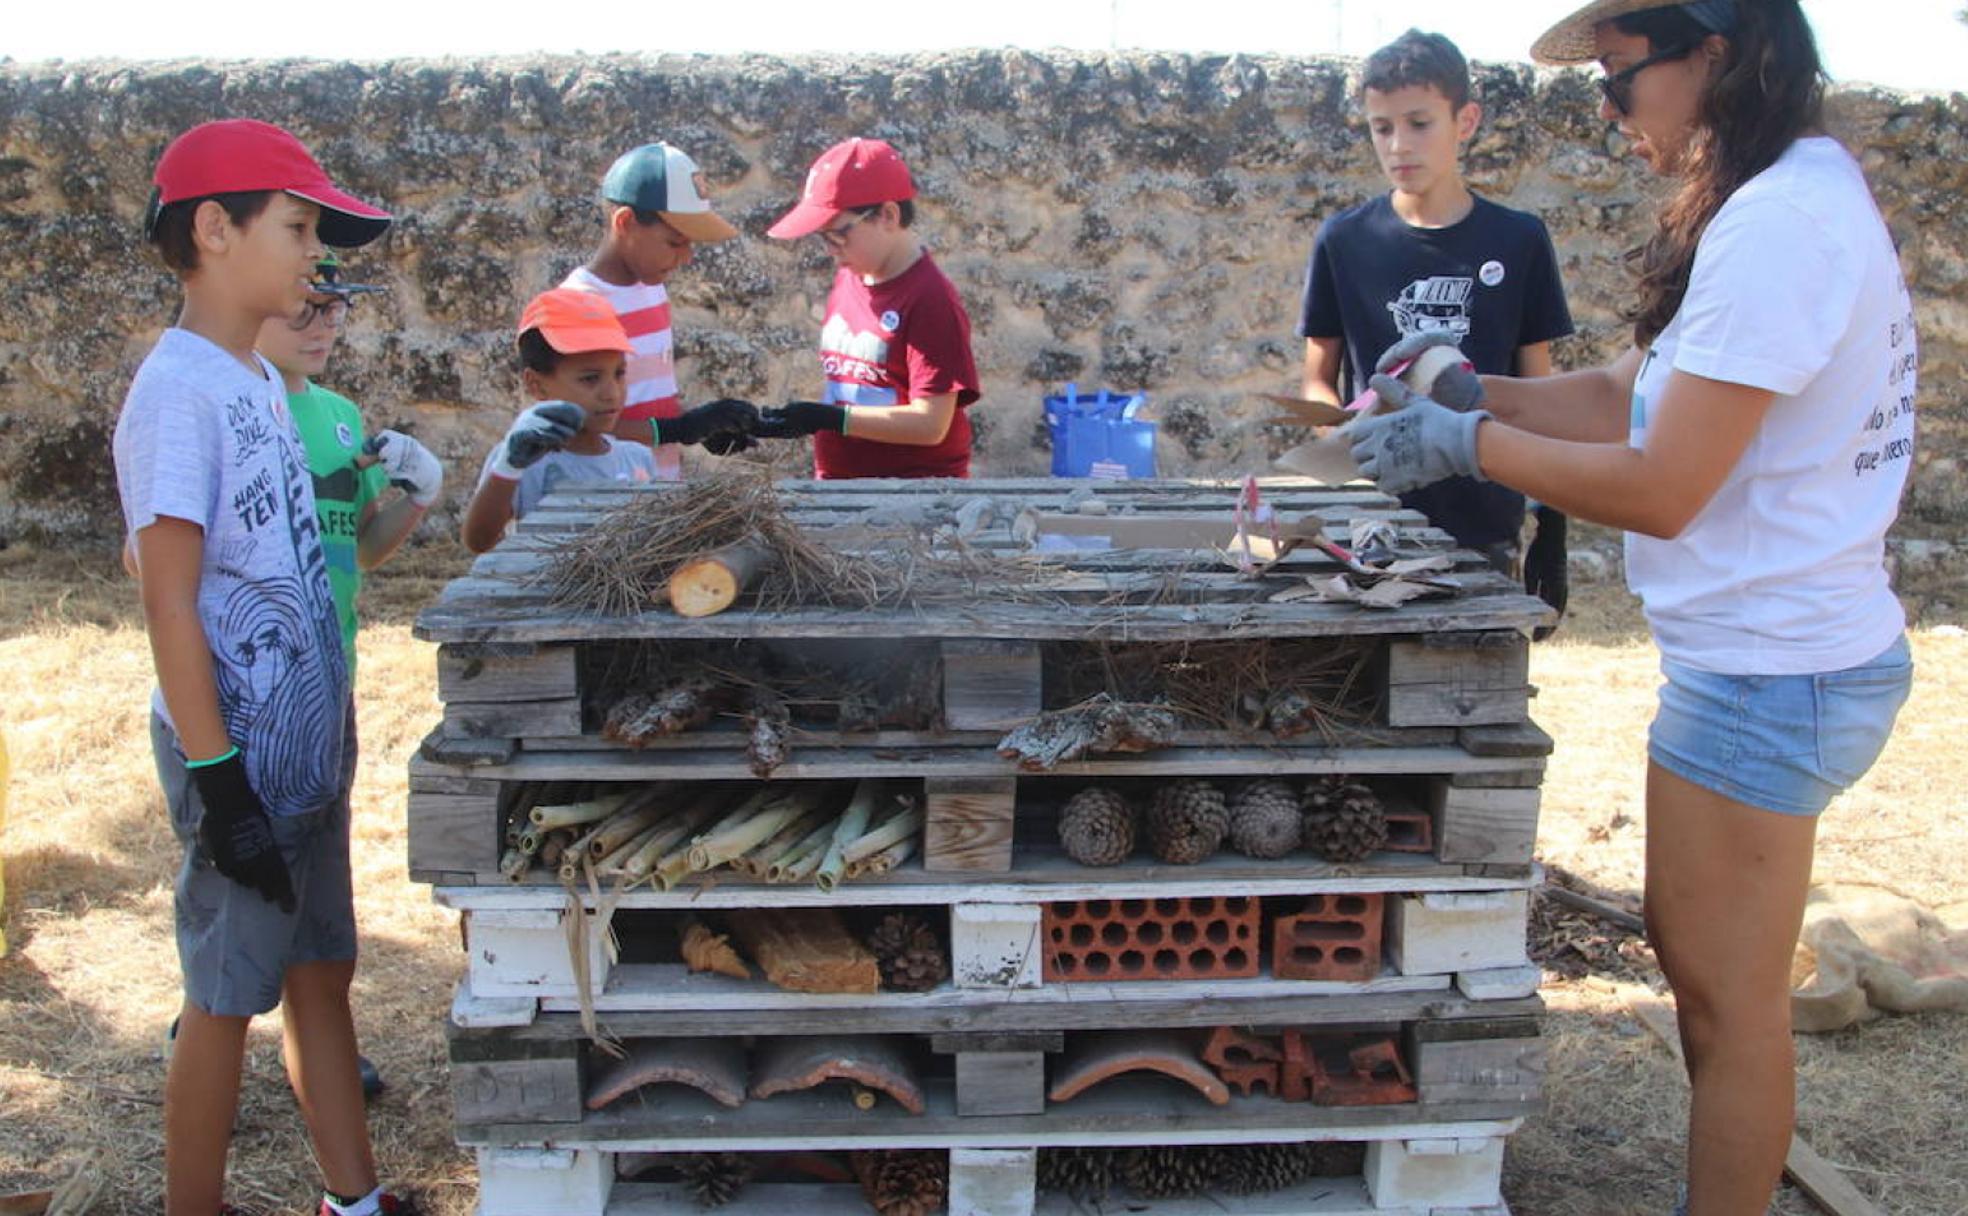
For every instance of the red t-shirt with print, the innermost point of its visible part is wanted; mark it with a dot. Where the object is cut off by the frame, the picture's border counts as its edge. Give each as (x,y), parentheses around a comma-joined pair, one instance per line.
(888,344)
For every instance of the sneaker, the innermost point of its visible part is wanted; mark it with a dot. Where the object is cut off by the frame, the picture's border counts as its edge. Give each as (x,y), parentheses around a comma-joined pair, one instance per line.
(389,1203)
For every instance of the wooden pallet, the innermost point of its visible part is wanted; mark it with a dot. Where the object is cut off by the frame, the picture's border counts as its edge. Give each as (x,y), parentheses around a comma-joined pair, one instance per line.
(1432,1175)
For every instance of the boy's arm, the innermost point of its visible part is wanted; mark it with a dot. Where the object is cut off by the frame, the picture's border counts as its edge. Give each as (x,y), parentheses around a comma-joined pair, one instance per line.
(490,511)
(383,528)
(170,553)
(1322,363)
(1534,360)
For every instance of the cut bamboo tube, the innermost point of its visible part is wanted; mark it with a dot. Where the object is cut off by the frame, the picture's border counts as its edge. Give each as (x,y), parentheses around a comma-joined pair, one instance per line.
(576,812)
(612,862)
(853,824)
(707,585)
(555,845)
(800,861)
(625,824)
(898,827)
(777,845)
(514,864)
(677,830)
(710,852)
(890,857)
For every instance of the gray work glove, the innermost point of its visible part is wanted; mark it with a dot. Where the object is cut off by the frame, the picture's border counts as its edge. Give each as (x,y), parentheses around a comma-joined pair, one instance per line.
(1412,441)
(545,428)
(408,464)
(1458,387)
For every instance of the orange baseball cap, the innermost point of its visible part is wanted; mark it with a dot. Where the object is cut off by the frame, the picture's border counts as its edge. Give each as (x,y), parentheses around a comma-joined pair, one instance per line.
(574,322)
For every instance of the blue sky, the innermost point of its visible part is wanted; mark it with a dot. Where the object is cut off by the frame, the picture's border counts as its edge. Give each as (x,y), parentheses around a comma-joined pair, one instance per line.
(1912,44)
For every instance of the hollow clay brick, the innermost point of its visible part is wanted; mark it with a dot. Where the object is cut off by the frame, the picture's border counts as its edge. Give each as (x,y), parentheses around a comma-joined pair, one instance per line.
(715,1066)
(880,1064)
(1108,940)
(1095,1056)
(1409,830)
(1353,1071)
(1245,1062)
(1292,1078)
(1333,937)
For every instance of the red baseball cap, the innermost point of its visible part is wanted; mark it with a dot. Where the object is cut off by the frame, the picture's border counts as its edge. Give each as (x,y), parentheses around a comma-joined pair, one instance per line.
(852,174)
(574,322)
(238,154)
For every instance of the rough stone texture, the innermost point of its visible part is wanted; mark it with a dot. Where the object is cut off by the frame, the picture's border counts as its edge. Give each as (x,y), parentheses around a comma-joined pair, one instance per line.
(1138,219)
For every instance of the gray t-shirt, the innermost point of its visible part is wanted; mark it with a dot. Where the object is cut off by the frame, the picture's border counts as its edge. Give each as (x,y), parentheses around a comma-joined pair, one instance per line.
(624,461)
(201,438)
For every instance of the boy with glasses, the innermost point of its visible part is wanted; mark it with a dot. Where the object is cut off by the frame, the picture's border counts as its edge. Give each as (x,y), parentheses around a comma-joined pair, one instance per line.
(1430,261)
(895,348)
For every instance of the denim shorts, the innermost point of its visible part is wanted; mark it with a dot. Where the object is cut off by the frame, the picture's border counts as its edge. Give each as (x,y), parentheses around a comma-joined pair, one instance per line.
(1783,743)
(233,946)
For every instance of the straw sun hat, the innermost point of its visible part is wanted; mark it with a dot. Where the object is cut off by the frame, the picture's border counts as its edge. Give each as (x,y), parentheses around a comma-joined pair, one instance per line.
(1570,41)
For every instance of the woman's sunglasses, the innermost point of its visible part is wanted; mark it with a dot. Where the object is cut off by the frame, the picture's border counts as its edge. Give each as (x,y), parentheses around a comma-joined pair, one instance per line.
(1618,86)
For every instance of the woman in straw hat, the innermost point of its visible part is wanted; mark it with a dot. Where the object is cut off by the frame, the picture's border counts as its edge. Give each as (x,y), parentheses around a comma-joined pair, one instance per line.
(1753,444)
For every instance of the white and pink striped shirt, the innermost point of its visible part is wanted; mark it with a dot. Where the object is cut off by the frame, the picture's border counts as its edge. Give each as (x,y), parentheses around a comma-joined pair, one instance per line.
(644,310)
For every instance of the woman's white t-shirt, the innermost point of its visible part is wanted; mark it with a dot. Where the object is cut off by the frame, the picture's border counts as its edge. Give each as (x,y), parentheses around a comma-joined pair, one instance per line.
(1796,288)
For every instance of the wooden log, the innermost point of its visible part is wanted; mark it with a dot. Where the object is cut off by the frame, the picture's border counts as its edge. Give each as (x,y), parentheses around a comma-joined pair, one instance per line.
(806,950)
(707,585)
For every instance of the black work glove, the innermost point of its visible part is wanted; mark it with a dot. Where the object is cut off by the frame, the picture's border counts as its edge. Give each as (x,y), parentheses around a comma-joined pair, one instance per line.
(1545,572)
(727,416)
(236,834)
(797,418)
(544,428)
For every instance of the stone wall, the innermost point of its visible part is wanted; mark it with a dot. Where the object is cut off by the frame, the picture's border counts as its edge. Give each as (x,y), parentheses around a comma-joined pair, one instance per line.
(1139,221)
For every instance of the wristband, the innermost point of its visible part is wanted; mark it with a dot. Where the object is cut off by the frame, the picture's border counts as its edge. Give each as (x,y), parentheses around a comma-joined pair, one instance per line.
(229,753)
(847,414)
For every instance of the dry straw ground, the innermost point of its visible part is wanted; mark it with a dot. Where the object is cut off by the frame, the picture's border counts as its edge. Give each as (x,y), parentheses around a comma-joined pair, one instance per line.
(91,984)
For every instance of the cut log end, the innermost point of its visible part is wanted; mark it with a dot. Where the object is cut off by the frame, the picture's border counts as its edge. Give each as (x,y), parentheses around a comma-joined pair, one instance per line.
(706,586)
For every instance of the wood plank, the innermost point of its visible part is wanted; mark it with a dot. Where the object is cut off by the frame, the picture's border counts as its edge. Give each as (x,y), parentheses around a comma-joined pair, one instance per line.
(1001,1083)
(989,1013)
(1528,777)
(1126,1109)
(1459,1070)
(453,832)
(1458,680)
(441,748)
(1042,1041)
(512,719)
(547,674)
(990,685)
(1484,825)
(721,733)
(546,1090)
(968,823)
(1519,739)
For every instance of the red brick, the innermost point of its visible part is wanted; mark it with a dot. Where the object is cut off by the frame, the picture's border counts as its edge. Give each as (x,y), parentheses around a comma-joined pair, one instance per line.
(1360,1071)
(1292,1073)
(1333,938)
(1111,940)
(1409,830)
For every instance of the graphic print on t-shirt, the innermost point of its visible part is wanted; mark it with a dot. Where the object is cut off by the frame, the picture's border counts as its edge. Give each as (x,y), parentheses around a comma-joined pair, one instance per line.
(1436,304)
(282,680)
(853,362)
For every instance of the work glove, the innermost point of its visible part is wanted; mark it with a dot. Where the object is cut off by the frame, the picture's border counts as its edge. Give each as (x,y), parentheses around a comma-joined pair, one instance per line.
(1546,574)
(236,834)
(545,428)
(718,425)
(408,464)
(797,418)
(1458,388)
(1413,441)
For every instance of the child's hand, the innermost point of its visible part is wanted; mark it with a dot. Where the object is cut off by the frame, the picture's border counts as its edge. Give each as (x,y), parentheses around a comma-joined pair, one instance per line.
(408,464)
(1456,386)
(236,834)
(724,426)
(1414,442)
(545,428)
(797,418)
(1409,348)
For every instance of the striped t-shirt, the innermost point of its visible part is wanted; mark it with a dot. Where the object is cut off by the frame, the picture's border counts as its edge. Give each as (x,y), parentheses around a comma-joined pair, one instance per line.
(644,310)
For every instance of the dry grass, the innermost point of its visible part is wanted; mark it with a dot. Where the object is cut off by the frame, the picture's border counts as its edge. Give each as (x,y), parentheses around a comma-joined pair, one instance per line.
(92,981)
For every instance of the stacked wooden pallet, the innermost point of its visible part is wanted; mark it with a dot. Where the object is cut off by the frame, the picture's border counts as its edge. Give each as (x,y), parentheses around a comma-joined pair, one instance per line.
(1388,1001)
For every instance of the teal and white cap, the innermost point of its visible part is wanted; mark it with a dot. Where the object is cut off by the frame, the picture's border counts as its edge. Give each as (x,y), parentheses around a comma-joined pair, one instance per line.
(658,177)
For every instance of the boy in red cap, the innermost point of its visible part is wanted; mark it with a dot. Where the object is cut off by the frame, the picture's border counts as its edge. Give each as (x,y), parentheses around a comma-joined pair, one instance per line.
(895,348)
(657,213)
(575,358)
(252,725)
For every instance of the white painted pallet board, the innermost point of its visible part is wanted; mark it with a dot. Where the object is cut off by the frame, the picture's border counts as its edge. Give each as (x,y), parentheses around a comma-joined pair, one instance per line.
(655,987)
(1320,1197)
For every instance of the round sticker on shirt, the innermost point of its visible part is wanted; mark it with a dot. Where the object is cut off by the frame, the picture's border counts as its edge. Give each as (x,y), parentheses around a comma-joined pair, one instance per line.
(346,436)
(890,320)
(1491,273)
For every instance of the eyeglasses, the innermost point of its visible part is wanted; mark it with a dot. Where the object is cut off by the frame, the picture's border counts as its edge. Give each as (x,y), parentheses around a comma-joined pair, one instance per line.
(1618,86)
(837,237)
(335,308)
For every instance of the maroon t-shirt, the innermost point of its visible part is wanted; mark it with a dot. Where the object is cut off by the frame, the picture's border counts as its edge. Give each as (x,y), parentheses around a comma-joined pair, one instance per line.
(887,345)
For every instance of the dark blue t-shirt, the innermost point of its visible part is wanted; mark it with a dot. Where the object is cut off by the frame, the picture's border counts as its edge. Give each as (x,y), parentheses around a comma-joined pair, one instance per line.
(1491,279)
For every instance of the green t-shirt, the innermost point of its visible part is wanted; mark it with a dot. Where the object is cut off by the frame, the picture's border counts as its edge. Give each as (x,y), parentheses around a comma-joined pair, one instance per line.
(331,431)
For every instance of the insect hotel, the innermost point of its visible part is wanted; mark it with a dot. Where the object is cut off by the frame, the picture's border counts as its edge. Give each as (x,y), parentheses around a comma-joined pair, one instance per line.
(994,847)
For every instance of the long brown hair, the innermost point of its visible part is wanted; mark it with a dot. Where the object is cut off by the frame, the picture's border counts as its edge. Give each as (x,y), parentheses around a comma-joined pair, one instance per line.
(1768,94)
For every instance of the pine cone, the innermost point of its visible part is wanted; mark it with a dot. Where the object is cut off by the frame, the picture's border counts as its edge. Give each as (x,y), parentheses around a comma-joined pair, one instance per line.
(714,1179)
(903,1182)
(1251,1169)
(909,953)
(1097,827)
(1084,1175)
(1264,819)
(1344,820)
(1187,821)
(1165,1171)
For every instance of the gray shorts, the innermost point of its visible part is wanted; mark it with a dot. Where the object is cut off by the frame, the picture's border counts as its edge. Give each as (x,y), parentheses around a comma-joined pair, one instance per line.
(233,946)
